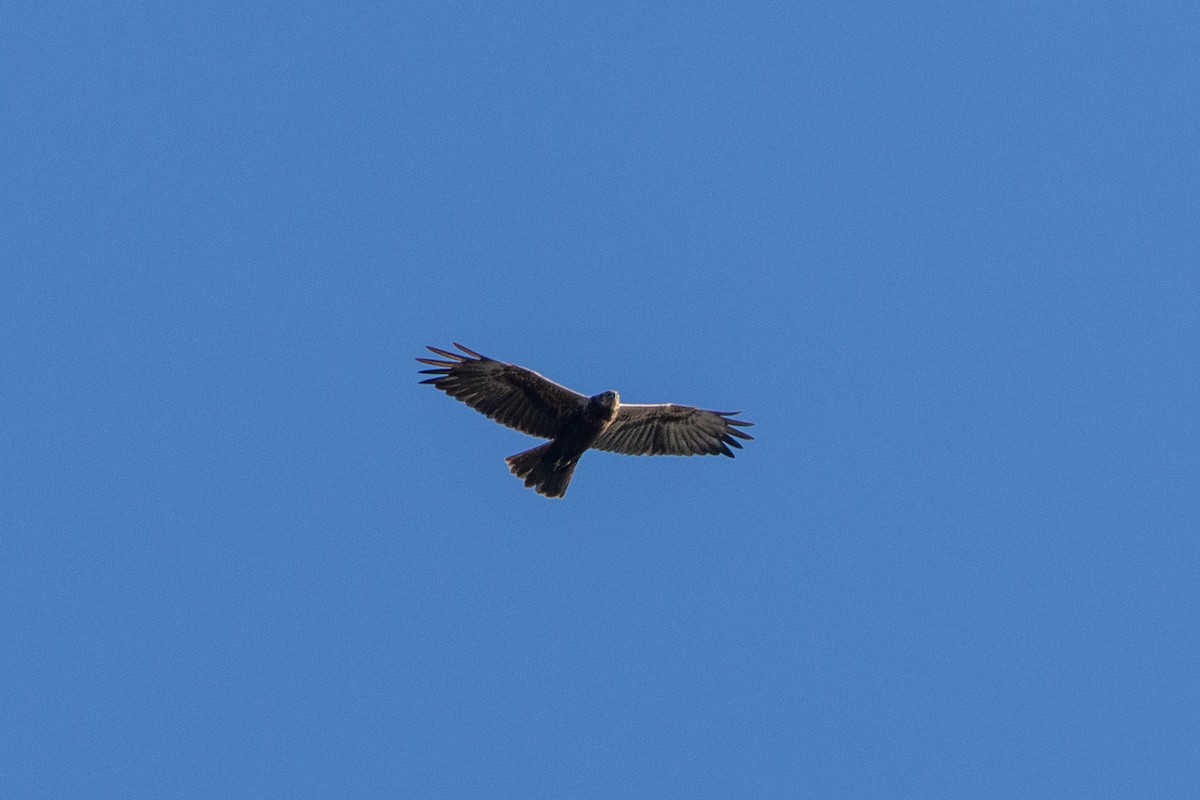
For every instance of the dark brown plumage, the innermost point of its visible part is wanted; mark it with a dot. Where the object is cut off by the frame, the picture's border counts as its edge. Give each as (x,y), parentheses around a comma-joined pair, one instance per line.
(524,400)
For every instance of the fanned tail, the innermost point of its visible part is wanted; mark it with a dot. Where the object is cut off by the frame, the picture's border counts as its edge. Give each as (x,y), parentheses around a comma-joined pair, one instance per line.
(542,471)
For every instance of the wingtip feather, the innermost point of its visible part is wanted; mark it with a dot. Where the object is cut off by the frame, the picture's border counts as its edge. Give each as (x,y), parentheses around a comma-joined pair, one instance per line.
(469,351)
(455,357)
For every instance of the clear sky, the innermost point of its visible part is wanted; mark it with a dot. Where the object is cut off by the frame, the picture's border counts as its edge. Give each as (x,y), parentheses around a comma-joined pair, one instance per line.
(943,254)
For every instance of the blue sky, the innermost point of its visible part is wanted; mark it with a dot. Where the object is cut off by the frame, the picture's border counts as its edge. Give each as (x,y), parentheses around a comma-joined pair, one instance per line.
(944,255)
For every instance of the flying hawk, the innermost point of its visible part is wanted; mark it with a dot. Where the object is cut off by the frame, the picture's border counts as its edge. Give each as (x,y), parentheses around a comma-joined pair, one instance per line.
(522,399)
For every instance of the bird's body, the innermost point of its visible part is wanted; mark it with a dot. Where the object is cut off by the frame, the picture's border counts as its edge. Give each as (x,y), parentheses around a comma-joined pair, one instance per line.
(522,399)
(548,468)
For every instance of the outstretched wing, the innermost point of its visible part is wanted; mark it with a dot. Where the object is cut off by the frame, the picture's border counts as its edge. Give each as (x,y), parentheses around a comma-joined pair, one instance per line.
(670,430)
(511,395)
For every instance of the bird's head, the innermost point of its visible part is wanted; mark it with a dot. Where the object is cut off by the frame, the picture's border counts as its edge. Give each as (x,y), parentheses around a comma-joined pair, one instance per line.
(608,399)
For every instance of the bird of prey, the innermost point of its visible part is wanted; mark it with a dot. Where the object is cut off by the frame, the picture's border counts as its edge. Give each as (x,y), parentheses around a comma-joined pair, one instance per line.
(522,399)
